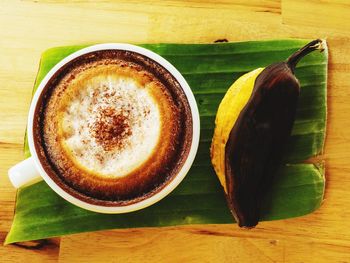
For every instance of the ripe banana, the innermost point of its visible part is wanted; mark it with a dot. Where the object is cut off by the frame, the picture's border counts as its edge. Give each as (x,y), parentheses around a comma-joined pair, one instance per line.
(252,126)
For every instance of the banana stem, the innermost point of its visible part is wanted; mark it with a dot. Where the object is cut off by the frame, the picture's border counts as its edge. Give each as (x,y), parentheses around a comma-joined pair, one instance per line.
(293,60)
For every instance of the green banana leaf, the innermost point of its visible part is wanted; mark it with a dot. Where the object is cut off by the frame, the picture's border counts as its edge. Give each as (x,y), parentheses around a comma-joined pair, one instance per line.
(298,188)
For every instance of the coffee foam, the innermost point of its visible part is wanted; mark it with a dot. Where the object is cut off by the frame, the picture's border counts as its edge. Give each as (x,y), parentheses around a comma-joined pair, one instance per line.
(91,134)
(112,127)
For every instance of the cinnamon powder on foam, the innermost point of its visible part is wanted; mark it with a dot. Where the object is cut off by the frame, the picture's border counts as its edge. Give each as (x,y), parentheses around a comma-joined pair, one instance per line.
(106,120)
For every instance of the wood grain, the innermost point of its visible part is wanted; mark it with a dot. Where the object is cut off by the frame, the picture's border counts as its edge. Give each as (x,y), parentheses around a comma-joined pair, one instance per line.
(29,27)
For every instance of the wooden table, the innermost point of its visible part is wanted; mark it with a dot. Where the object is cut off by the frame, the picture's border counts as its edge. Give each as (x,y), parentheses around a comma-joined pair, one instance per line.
(29,27)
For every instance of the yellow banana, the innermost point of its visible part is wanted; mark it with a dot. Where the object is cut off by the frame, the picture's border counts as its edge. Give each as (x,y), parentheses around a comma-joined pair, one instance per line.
(252,125)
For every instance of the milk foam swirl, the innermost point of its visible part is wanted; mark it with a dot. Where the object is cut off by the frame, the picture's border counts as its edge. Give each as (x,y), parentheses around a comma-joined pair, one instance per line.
(111,125)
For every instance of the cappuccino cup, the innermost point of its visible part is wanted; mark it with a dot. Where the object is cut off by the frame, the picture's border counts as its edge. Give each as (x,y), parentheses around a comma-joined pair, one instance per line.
(112,128)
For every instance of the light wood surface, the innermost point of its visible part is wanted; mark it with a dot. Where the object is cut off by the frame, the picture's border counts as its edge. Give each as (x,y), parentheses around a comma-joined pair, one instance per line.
(29,27)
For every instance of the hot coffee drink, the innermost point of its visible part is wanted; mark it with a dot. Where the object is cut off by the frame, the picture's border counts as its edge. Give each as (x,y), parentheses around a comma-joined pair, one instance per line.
(113,127)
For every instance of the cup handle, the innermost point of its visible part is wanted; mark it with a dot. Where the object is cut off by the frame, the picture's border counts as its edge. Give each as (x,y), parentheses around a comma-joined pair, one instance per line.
(24,173)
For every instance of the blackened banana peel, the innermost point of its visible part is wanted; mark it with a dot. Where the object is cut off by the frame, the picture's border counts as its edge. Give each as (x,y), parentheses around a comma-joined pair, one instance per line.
(252,127)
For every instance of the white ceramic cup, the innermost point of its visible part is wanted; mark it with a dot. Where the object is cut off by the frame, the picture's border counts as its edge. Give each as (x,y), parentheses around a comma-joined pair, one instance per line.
(30,170)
